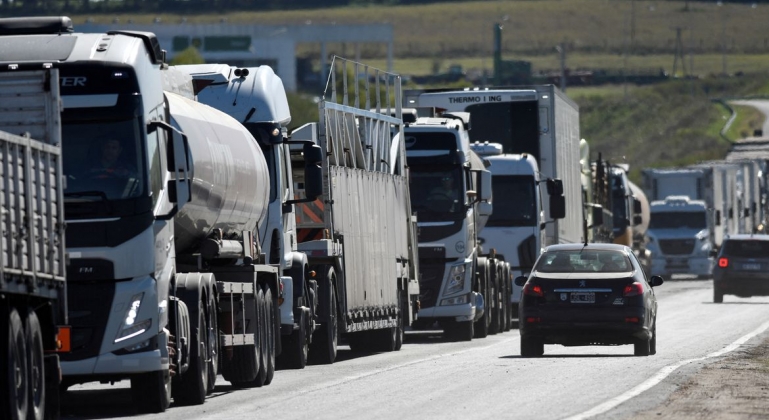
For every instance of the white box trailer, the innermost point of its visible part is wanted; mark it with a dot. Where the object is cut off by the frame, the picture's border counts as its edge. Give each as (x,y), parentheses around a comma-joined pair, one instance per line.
(538,120)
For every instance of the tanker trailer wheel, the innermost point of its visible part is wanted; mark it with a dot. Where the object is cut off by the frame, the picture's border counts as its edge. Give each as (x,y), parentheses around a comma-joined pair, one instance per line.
(191,386)
(36,371)
(402,309)
(270,318)
(324,343)
(261,311)
(213,345)
(507,298)
(13,366)
(493,302)
(151,391)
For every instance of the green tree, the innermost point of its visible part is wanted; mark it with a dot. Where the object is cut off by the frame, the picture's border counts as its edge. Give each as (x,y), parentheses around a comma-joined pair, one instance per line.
(188,56)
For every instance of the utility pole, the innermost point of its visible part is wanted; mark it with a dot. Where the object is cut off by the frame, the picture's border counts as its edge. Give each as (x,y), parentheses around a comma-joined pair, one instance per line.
(679,52)
(562,51)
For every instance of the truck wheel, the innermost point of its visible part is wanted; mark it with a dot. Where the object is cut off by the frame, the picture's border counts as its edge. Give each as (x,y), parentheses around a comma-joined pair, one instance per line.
(482,325)
(269,309)
(460,331)
(493,300)
(360,342)
(151,391)
(506,296)
(532,347)
(399,325)
(191,386)
(212,328)
(261,376)
(13,367)
(296,347)
(36,365)
(324,342)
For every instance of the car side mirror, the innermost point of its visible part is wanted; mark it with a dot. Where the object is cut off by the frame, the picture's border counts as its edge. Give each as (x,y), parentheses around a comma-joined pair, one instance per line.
(656,281)
(520,280)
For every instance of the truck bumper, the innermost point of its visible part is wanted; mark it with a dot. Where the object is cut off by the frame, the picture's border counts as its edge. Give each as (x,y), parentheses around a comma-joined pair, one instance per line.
(467,312)
(121,364)
(700,266)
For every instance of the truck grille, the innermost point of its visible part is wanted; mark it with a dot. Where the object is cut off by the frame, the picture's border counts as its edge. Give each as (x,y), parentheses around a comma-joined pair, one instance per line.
(89,307)
(430,280)
(677,246)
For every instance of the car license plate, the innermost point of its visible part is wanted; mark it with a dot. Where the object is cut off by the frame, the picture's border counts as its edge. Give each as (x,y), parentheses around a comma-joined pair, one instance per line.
(752,267)
(582,297)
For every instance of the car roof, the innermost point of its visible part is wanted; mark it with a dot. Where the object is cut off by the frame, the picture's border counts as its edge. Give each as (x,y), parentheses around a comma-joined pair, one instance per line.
(747,236)
(588,247)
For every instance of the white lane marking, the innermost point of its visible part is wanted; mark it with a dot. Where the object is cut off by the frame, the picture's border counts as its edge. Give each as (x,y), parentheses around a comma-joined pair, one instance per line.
(661,375)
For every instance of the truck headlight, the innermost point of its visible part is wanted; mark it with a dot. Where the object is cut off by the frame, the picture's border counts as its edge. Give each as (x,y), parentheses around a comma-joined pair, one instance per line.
(456,280)
(457,300)
(130,327)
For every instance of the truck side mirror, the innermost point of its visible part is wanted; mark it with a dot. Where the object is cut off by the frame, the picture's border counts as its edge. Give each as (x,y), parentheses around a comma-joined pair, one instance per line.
(557,206)
(637,206)
(177,149)
(597,211)
(554,187)
(484,187)
(313,173)
(637,220)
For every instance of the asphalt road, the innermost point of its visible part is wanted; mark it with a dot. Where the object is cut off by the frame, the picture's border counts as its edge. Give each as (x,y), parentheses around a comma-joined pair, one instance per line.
(481,379)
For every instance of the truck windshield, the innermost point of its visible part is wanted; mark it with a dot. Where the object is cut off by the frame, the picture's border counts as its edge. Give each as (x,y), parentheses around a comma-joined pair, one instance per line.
(514,201)
(102,160)
(678,219)
(437,192)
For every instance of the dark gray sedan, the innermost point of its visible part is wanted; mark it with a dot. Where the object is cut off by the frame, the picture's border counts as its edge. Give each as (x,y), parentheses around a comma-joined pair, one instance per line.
(585,295)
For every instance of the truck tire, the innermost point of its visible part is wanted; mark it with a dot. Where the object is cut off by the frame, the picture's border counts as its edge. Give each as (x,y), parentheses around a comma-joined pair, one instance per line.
(360,342)
(36,368)
(270,319)
(460,331)
(13,367)
(52,387)
(507,298)
(493,298)
(532,347)
(325,339)
(191,387)
(212,328)
(151,391)
(481,328)
(296,346)
(261,375)
(402,310)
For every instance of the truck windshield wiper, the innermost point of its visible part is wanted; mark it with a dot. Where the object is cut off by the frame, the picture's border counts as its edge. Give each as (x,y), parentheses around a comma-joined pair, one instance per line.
(93,193)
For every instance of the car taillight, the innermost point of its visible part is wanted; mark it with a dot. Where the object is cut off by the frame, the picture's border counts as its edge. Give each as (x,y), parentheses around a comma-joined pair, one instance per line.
(532,290)
(633,289)
(723,262)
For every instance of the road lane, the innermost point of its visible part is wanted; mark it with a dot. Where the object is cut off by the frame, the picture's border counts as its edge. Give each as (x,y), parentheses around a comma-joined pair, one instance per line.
(478,380)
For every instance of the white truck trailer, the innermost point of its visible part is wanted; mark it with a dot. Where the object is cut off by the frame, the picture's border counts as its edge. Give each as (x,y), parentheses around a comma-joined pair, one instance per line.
(33,310)
(166,283)
(360,235)
(537,120)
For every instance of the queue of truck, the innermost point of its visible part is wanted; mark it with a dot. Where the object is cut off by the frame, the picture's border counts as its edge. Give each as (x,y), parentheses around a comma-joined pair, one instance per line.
(202,238)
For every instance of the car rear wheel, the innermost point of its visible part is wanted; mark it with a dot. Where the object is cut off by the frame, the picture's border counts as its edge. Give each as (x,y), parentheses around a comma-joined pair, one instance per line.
(653,342)
(718,297)
(641,347)
(532,347)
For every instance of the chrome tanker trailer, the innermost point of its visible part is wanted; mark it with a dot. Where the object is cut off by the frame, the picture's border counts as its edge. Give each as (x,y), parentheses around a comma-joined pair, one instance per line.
(166,284)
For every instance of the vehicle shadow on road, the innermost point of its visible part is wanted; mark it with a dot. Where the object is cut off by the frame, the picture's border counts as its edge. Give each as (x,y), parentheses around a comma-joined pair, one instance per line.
(97,404)
(568,356)
(736,303)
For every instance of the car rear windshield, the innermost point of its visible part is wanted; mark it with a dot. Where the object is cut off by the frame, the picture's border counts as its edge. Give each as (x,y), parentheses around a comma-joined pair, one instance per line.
(747,248)
(592,261)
